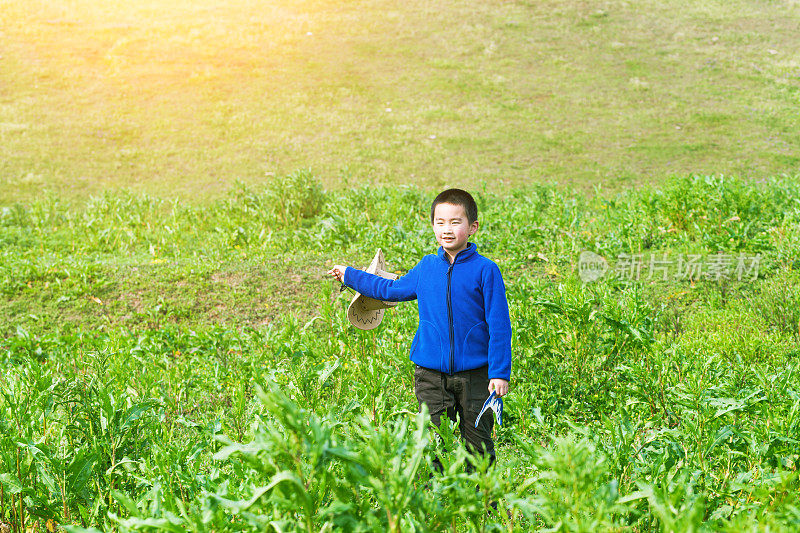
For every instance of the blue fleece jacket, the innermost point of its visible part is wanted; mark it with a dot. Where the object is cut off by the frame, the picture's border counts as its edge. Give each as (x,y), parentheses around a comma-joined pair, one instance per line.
(463,312)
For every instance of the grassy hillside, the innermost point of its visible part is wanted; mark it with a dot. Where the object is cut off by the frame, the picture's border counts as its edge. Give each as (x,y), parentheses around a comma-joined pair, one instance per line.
(176,177)
(185,97)
(168,367)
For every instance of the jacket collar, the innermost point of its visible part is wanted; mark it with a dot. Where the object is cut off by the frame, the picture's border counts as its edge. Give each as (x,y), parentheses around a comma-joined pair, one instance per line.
(461,256)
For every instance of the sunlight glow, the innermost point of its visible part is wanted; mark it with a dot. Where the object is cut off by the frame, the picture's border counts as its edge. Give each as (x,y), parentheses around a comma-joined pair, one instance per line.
(176,41)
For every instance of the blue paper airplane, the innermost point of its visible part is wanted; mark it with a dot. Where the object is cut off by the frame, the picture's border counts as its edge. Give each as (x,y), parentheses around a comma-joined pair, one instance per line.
(495,404)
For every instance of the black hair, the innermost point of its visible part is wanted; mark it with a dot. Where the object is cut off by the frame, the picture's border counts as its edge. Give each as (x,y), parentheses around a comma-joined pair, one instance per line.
(457,197)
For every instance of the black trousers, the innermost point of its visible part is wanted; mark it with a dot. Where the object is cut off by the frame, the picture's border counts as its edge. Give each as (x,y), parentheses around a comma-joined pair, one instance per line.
(463,393)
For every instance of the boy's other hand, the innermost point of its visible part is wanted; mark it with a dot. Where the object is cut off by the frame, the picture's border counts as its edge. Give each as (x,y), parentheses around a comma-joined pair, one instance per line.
(337,272)
(498,386)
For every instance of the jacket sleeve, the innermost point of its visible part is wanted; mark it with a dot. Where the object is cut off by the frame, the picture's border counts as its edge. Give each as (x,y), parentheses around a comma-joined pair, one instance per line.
(401,289)
(499,322)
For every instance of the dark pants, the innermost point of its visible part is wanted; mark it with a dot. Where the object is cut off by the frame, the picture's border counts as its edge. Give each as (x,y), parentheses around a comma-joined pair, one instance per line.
(463,393)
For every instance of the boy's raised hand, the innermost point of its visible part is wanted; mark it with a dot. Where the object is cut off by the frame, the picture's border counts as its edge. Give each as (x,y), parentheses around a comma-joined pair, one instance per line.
(337,272)
(498,386)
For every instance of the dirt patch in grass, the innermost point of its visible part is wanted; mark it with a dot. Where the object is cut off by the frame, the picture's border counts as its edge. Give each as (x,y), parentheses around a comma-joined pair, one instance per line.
(248,293)
(231,279)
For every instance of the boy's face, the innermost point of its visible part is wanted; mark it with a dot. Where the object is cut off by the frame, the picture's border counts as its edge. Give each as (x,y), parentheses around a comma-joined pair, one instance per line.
(451,227)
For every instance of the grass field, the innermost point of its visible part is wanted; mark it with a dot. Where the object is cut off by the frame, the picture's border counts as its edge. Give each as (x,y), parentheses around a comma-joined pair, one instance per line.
(176,179)
(183,98)
(154,381)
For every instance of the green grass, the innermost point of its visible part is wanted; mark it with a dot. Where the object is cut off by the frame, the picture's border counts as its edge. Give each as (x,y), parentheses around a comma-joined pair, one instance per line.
(173,357)
(169,366)
(185,98)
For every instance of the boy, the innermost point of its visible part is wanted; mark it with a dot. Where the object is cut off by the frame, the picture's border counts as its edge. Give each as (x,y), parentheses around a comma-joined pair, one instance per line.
(462,347)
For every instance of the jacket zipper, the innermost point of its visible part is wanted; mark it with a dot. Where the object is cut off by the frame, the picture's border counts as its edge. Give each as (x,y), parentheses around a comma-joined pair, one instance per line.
(450,318)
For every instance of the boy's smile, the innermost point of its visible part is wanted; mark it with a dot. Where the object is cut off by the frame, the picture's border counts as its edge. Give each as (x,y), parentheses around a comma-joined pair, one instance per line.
(452,229)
